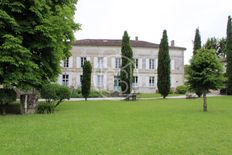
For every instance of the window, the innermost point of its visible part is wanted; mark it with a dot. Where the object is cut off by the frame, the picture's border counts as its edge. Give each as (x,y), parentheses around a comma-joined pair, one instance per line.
(66,62)
(151,63)
(100,62)
(83,59)
(136,63)
(135,81)
(151,81)
(100,81)
(117,62)
(65,79)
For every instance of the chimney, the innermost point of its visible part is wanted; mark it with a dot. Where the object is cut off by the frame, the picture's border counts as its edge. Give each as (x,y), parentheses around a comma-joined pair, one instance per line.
(136,38)
(172,43)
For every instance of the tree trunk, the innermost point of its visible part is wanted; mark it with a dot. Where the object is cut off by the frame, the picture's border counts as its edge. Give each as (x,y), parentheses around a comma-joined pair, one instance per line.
(3,107)
(205,102)
(86,99)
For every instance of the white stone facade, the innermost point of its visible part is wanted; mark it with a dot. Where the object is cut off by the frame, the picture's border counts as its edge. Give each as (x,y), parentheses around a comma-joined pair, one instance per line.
(105,60)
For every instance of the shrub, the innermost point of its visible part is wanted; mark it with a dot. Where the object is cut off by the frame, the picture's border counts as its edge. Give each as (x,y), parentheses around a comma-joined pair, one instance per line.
(76,93)
(48,92)
(55,93)
(62,92)
(181,89)
(45,107)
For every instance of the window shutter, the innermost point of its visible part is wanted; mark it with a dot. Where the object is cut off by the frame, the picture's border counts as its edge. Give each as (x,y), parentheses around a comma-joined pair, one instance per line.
(95,81)
(147,63)
(172,82)
(78,80)
(140,65)
(147,81)
(105,63)
(105,81)
(70,62)
(62,63)
(78,62)
(172,64)
(60,79)
(70,83)
(113,62)
(95,62)
(156,64)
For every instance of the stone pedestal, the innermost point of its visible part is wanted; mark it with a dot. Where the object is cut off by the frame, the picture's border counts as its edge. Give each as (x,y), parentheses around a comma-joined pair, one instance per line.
(28,103)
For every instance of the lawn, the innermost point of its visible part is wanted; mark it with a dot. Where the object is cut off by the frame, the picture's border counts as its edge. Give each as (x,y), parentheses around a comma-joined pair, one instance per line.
(170,126)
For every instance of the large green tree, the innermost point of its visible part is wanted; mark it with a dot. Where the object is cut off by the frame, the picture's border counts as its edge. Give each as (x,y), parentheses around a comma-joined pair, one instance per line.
(127,67)
(164,66)
(197,41)
(229,56)
(205,72)
(86,79)
(218,44)
(35,36)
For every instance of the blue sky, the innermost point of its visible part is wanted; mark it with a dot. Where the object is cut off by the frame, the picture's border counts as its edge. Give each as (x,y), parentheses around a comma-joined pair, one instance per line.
(107,19)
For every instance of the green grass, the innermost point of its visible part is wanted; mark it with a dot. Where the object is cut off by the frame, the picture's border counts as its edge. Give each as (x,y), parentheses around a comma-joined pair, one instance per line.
(171,126)
(154,95)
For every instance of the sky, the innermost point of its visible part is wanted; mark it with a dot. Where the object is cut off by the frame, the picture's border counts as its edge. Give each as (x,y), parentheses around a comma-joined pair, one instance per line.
(108,19)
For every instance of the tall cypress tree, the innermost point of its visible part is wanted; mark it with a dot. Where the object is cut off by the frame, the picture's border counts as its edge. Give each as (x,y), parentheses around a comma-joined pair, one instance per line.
(229,56)
(164,66)
(197,41)
(86,80)
(127,68)
(197,46)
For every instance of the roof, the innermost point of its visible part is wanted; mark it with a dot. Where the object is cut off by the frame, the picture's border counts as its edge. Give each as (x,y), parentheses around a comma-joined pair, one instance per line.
(114,42)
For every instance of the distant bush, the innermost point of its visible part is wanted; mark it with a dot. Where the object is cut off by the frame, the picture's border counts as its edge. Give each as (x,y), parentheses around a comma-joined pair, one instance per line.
(76,93)
(45,107)
(55,93)
(171,91)
(181,89)
(223,91)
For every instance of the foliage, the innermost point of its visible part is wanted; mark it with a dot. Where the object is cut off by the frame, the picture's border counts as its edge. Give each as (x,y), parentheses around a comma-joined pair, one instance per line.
(218,44)
(55,93)
(45,107)
(186,70)
(197,41)
(35,36)
(164,66)
(229,57)
(86,80)
(62,93)
(181,89)
(6,96)
(127,67)
(205,72)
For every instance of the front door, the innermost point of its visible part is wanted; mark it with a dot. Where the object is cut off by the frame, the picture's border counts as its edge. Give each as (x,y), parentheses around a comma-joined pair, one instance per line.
(117,86)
